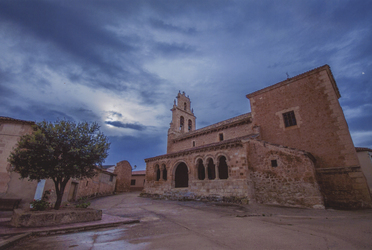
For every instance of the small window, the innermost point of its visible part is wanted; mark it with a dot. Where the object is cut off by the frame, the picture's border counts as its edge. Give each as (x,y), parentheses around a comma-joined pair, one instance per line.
(274,163)
(221,137)
(190,125)
(111,177)
(184,106)
(193,143)
(86,184)
(132,182)
(289,119)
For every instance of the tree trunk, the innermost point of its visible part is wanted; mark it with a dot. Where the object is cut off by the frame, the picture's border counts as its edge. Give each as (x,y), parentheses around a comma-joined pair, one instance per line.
(60,189)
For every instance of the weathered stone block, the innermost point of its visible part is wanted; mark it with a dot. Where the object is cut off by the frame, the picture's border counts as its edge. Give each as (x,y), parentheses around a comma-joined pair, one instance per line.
(26,218)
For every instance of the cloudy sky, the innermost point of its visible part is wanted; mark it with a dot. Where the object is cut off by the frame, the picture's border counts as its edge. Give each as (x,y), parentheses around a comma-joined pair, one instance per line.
(122,63)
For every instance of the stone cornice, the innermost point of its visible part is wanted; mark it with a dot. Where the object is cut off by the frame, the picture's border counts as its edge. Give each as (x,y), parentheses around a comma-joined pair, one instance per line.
(236,142)
(298,77)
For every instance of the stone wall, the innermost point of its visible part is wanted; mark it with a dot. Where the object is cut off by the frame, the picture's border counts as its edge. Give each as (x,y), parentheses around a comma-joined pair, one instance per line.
(10,132)
(321,126)
(237,183)
(288,181)
(123,171)
(344,187)
(365,159)
(100,185)
(320,129)
(230,129)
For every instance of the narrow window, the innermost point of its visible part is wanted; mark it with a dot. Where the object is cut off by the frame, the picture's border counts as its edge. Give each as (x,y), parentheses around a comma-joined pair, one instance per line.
(111,178)
(164,174)
(87,183)
(190,125)
(184,106)
(193,143)
(289,119)
(221,137)
(182,121)
(158,174)
(132,182)
(274,163)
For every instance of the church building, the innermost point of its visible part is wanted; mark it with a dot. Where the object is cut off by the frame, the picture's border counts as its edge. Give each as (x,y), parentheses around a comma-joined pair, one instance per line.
(294,149)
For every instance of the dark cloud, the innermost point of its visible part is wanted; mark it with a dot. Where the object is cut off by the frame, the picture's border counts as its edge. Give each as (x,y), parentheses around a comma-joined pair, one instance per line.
(160,24)
(119,124)
(113,113)
(216,50)
(174,49)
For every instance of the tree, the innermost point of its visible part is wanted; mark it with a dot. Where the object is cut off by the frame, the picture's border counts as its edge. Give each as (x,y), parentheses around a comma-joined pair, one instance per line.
(60,151)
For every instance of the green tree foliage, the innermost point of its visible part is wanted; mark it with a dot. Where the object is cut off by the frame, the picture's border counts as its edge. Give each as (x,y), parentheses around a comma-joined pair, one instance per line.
(60,151)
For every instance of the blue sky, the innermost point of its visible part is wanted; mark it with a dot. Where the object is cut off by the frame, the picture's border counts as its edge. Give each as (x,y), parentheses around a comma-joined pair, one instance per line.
(122,63)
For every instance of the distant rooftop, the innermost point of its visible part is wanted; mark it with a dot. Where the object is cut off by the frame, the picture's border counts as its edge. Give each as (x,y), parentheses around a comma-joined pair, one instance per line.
(9,119)
(139,172)
(359,149)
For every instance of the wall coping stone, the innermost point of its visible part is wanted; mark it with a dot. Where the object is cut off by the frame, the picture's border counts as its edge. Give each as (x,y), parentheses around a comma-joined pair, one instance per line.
(27,218)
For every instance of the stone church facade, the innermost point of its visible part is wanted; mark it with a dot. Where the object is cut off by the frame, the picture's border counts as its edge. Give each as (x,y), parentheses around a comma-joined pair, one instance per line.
(294,149)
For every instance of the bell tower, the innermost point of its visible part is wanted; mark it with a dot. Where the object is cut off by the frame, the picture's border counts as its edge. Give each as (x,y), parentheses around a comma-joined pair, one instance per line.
(183,118)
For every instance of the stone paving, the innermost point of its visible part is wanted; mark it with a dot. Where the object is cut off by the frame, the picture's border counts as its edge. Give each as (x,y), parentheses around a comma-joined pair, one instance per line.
(205,225)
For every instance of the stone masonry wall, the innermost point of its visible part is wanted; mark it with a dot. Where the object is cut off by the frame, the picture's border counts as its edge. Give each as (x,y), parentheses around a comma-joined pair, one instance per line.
(99,185)
(344,188)
(291,183)
(123,170)
(321,126)
(237,183)
(212,137)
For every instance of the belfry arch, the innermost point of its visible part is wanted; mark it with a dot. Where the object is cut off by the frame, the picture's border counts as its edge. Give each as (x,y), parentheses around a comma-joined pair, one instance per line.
(181,176)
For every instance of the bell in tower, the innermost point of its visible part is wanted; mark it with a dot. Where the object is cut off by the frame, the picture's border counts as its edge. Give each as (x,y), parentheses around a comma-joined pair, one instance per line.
(183,119)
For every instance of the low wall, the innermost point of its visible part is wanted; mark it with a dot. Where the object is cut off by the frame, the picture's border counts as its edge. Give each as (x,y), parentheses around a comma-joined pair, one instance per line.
(27,218)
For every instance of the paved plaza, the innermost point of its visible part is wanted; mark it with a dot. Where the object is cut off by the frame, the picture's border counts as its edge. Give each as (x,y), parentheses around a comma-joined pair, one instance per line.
(198,225)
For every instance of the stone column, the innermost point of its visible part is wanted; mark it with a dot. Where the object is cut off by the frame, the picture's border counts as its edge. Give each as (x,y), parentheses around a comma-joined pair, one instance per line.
(161,173)
(216,170)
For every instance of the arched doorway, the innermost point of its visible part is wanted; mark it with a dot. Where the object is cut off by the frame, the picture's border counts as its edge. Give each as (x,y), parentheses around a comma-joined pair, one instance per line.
(223,170)
(181,176)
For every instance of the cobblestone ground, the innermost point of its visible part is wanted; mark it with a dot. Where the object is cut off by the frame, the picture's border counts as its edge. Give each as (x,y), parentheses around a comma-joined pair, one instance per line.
(197,225)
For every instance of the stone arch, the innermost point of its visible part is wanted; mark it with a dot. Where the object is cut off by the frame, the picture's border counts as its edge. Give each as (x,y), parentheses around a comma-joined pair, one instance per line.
(207,157)
(211,169)
(181,175)
(182,122)
(223,169)
(200,169)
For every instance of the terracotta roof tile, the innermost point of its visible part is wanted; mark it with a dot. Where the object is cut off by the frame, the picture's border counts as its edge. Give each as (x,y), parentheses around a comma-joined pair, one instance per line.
(9,119)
